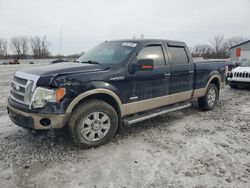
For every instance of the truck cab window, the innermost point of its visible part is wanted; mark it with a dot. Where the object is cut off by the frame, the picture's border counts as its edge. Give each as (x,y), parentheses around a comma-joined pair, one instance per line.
(152,52)
(108,53)
(178,55)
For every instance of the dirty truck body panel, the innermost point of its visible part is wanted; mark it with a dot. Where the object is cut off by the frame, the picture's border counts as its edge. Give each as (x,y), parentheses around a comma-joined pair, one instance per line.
(172,78)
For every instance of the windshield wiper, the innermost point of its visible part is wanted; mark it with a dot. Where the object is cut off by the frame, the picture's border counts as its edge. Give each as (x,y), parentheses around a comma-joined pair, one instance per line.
(91,62)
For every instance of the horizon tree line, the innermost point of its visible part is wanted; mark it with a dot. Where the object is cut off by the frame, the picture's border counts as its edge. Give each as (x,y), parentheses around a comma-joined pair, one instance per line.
(217,48)
(23,47)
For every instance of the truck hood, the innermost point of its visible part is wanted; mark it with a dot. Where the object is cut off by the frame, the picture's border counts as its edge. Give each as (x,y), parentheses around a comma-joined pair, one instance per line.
(241,69)
(64,68)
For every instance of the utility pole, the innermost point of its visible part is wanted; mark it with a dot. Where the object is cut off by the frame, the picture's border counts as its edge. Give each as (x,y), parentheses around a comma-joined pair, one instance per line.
(60,48)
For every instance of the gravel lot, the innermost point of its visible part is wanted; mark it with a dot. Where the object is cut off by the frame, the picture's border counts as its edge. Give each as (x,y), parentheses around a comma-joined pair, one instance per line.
(187,148)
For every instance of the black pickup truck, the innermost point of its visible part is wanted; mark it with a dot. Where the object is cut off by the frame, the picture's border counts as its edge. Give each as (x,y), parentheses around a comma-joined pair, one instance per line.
(116,83)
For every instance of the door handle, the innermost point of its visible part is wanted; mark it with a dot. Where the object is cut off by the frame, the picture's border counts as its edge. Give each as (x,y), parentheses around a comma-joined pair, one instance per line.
(167,74)
(191,71)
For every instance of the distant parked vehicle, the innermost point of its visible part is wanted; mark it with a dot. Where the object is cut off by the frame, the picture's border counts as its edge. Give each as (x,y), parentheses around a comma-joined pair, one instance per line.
(240,76)
(234,64)
(58,61)
(239,63)
(16,61)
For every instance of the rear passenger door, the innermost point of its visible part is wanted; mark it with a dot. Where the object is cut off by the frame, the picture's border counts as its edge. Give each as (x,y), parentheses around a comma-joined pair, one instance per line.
(181,70)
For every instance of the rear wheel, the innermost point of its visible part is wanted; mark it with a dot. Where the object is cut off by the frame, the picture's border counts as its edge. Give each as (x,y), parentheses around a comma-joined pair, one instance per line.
(93,123)
(209,101)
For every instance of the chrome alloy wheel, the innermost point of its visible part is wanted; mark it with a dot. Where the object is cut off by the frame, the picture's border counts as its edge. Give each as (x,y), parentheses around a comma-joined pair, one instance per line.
(95,126)
(211,97)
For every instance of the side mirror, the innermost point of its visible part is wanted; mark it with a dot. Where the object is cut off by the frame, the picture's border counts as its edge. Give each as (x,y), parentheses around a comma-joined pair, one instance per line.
(141,65)
(145,64)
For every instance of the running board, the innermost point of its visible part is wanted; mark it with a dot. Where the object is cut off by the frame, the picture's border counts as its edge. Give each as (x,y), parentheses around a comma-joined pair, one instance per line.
(154,113)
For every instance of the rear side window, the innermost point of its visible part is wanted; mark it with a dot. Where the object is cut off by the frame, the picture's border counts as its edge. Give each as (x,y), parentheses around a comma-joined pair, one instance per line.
(152,52)
(178,55)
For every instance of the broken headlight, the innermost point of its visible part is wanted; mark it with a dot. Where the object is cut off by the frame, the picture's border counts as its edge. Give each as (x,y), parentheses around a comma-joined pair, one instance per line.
(42,96)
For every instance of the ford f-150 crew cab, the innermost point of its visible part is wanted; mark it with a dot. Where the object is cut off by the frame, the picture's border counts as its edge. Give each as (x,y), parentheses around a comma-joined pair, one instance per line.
(116,83)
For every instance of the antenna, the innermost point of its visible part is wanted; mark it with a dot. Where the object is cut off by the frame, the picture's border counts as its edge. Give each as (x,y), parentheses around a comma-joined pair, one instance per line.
(60,48)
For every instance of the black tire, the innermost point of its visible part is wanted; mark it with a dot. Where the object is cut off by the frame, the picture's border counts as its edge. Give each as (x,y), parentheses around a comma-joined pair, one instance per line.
(84,111)
(205,103)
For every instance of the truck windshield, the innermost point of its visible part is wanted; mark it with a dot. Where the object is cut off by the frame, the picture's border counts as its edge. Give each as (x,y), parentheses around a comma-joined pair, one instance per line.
(246,64)
(108,53)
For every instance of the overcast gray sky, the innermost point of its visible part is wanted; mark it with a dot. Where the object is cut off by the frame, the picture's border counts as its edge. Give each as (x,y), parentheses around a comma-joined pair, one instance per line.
(86,23)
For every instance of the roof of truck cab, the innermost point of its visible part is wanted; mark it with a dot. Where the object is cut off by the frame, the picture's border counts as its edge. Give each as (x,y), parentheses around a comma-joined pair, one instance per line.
(169,42)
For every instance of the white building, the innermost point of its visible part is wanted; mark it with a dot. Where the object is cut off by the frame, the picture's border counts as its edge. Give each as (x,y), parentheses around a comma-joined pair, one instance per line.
(240,51)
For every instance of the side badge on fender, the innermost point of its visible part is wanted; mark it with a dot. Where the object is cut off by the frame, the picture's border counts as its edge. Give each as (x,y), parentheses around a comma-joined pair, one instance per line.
(117,78)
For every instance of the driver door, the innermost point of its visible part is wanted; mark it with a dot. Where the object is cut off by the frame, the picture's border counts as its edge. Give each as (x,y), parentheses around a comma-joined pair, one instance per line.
(145,85)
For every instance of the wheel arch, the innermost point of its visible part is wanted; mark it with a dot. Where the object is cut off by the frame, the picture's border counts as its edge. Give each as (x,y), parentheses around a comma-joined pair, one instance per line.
(215,79)
(103,94)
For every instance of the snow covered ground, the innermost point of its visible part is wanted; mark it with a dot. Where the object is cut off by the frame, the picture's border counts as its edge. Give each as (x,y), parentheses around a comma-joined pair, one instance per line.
(188,148)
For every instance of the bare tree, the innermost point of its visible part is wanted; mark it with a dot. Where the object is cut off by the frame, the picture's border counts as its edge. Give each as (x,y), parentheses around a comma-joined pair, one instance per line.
(45,46)
(24,46)
(16,46)
(235,41)
(39,47)
(3,48)
(219,48)
(35,46)
(217,43)
(202,50)
(20,46)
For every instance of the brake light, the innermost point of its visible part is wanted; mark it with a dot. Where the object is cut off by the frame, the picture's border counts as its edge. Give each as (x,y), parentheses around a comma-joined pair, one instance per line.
(147,67)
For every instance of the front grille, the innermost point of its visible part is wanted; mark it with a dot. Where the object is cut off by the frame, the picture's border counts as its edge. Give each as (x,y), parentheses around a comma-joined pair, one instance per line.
(22,87)
(18,89)
(20,80)
(17,96)
(241,74)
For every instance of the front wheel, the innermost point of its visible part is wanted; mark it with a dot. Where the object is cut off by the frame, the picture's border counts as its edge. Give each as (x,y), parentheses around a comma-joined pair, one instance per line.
(209,101)
(93,123)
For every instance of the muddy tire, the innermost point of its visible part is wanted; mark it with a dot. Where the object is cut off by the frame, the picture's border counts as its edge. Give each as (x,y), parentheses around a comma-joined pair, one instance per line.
(93,123)
(209,101)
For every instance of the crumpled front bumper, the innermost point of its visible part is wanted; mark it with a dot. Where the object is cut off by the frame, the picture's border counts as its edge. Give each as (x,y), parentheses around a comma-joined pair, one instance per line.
(37,121)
